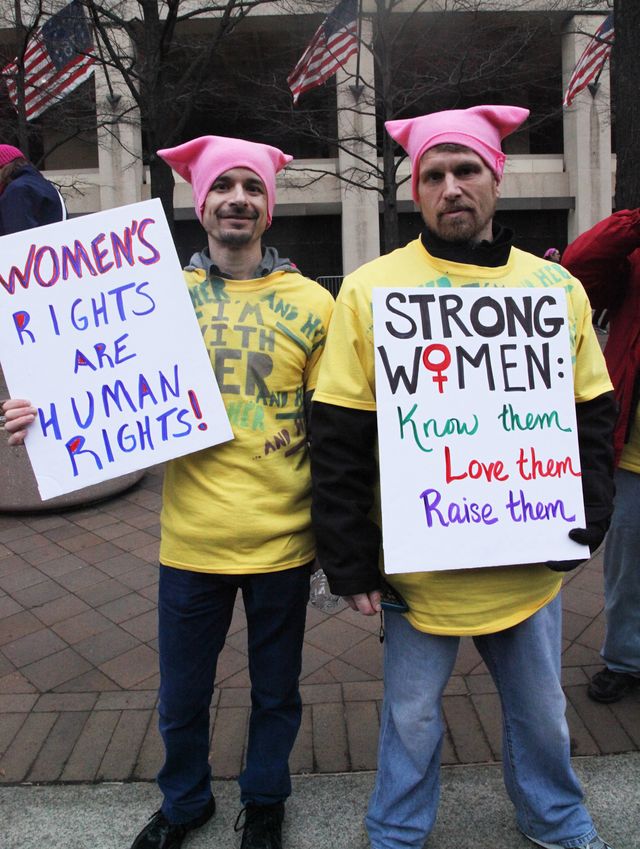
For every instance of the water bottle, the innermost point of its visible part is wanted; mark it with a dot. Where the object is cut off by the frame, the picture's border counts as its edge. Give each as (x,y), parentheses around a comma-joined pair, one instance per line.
(320,594)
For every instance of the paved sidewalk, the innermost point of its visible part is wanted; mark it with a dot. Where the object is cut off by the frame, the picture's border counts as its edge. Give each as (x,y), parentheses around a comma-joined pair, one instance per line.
(324,812)
(78,662)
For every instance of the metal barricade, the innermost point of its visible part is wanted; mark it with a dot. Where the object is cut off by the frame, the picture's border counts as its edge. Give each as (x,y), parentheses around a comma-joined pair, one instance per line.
(600,322)
(331,282)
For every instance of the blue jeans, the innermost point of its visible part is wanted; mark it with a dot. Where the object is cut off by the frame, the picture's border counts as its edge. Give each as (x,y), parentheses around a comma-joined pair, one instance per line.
(194,611)
(524,662)
(621,650)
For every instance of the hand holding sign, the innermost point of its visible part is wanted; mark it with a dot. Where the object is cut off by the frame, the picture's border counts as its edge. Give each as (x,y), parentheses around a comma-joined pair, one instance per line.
(98,331)
(18,416)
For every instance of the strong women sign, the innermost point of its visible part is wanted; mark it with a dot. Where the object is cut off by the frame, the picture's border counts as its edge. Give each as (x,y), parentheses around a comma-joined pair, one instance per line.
(97,330)
(479,458)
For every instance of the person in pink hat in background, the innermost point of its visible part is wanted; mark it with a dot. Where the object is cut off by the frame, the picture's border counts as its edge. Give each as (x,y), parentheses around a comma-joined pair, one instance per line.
(236,516)
(512,613)
(26,199)
(553,254)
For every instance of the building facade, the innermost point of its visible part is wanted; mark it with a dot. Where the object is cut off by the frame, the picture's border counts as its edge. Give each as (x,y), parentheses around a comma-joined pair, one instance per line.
(424,56)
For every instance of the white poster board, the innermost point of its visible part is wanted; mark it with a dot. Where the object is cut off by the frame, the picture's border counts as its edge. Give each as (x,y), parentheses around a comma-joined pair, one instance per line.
(97,330)
(479,461)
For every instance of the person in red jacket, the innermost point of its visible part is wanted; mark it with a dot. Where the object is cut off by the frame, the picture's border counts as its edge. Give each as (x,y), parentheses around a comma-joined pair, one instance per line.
(606,259)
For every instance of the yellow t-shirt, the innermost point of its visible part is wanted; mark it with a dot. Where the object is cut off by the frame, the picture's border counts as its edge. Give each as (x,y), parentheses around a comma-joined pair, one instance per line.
(244,506)
(468,601)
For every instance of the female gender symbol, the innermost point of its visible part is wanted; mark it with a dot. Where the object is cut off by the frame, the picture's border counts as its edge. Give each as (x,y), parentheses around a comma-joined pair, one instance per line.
(439,367)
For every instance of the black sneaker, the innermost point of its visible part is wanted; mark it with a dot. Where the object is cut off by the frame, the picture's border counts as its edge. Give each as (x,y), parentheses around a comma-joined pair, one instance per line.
(609,686)
(159,833)
(262,827)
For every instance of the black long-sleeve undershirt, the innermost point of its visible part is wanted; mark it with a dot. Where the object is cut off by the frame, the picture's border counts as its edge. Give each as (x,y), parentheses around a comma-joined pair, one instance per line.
(344,472)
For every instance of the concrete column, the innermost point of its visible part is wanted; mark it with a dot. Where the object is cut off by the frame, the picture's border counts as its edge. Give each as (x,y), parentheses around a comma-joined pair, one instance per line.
(119,141)
(357,135)
(587,134)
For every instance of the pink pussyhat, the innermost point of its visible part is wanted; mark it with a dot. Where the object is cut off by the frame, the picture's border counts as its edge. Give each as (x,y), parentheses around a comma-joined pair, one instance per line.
(480,128)
(202,160)
(8,153)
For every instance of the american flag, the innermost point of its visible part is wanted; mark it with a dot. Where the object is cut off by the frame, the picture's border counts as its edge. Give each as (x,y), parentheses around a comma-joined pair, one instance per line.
(592,61)
(56,60)
(335,40)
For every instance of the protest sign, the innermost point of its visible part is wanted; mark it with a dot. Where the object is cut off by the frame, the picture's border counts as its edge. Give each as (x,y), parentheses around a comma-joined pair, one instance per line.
(97,330)
(479,460)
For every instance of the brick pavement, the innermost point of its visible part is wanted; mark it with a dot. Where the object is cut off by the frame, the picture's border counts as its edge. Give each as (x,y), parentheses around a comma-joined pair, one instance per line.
(78,662)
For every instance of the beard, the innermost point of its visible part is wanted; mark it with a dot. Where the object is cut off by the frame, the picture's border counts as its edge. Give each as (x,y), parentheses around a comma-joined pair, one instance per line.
(461,230)
(458,232)
(229,236)
(235,238)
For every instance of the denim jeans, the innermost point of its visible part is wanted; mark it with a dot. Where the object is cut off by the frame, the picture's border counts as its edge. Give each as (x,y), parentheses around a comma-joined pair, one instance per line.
(195,611)
(524,662)
(621,650)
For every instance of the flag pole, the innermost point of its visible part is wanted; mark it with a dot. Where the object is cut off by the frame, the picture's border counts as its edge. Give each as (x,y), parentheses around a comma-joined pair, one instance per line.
(595,85)
(112,98)
(357,88)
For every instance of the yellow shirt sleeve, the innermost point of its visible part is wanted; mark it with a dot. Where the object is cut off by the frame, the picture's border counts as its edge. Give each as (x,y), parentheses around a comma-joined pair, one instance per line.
(347,376)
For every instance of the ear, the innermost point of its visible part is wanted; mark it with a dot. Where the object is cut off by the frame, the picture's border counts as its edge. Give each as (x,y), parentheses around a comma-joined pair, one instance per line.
(498,186)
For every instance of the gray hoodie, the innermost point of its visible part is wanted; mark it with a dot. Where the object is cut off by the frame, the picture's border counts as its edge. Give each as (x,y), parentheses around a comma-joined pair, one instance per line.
(270,262)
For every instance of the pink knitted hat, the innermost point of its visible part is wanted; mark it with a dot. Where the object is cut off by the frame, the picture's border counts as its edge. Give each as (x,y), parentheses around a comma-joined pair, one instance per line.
(8,153)
(480,128)
(202,160)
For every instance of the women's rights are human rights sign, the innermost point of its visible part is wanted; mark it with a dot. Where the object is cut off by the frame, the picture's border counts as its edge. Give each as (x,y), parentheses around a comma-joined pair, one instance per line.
(98,331)
(479,460)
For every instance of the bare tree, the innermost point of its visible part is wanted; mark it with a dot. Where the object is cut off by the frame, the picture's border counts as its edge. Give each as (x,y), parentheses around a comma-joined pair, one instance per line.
(60,124)
(425,60)
(165,63)
(159,53)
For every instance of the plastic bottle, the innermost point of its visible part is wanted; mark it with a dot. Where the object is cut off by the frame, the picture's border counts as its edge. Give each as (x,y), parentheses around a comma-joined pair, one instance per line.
(320,594)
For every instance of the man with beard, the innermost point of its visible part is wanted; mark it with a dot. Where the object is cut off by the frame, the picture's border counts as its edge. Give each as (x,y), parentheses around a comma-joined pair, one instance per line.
(512,613)
(236,516)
